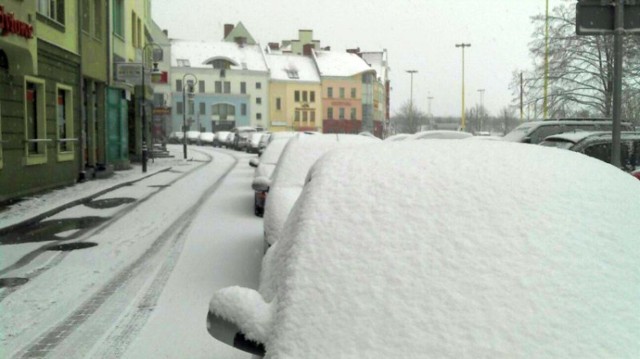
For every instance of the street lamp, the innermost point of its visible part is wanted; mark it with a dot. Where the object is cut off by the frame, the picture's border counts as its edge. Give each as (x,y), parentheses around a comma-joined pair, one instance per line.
(411,72)
(462,121)
(155,74)
(186,85)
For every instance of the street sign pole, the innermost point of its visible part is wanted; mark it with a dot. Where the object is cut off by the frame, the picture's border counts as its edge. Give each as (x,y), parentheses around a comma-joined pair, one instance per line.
(618,32)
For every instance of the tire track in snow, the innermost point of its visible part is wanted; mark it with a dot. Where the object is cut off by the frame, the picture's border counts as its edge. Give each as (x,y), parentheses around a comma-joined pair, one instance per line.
(48,341)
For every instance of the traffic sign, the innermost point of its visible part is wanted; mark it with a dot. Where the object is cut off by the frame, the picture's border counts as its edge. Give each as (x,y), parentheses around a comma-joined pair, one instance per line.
(596,17)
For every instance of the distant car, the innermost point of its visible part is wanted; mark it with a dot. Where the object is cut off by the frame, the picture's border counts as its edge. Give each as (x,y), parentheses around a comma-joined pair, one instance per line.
(440,135)
(264,141)
(206,138)
(176,137)
(298,156)
(241,138)
(193,137)
(527,260)
(264,172)
(219,139)
(536,131)
(254,142)
(229,140)
(598,145)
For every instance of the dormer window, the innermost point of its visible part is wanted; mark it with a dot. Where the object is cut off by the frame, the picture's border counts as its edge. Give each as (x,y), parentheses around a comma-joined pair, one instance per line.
(183,63)
(292,74)
(221,64)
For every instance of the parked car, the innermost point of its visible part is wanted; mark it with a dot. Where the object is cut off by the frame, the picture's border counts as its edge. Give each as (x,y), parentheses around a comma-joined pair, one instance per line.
(397,137)
(288,178)
(254,142)
(241,138)
(264,141)
(193,137)
(264,171)
(176,137)
(206,138)
(220,138)
(230,140)
(392,252)
(536,131)
(598,145)
(440,135)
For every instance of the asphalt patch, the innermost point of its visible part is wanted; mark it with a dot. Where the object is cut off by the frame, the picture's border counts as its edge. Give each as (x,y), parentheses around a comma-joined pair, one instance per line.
(72,246)
(109,202)
(12,282)
(46,230)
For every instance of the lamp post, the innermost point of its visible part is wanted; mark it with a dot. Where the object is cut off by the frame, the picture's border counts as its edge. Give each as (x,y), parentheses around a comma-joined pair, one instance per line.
(462,121)
(186,86)
(154,73)
(411,72)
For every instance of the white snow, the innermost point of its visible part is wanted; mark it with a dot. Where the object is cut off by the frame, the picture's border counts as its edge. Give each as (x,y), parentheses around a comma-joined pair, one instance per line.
(458,249)
(199,53)
(439,134)
(302,66)
(340,64)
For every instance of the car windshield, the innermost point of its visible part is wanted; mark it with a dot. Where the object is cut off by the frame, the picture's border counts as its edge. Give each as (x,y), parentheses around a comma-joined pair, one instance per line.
(131,133)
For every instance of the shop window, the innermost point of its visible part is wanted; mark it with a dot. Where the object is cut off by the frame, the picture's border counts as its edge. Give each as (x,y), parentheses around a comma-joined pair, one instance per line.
(35,141)
(53,9)
(64,123)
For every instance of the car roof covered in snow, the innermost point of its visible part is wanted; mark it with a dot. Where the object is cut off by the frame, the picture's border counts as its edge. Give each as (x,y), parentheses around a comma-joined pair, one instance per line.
(454,248)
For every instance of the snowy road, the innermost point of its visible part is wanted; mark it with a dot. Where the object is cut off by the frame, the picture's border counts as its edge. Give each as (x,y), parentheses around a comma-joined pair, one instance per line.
(143,290)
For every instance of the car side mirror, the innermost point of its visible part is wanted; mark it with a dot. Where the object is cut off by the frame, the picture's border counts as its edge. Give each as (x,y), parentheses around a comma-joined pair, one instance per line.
(254,162)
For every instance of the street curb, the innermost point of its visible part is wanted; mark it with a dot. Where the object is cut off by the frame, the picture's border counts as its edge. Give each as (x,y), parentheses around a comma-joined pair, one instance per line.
(41,216)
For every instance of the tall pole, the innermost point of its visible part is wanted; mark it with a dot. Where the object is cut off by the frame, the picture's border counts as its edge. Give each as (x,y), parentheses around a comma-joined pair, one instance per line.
(144,114)
(546,62)
(462,120)
(618,32)
(190,87)
(411,72)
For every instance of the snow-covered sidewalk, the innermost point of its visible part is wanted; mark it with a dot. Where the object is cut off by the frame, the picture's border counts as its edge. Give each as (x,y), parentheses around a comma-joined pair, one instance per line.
(41,204)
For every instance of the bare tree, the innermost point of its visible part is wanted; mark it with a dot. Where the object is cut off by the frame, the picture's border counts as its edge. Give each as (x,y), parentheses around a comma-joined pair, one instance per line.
(580,69)
(409,119)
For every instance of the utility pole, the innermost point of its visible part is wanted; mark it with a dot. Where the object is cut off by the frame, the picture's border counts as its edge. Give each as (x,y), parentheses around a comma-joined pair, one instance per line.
(462,120)
(546,62)
(411,72)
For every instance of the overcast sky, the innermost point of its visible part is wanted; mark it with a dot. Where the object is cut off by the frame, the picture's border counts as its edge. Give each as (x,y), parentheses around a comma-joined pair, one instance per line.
(418,35)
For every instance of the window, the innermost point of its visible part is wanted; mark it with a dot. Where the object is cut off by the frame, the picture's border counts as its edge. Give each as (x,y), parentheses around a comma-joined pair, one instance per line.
(134,32)
(64,122)
(297,116)
(258,85)
(218,86)
(312,115)
(258,101)
(258,116)
(201,86)
(353,113)
(278,104)
(296,96)
(330,92)
(223,110)
(227,87)
(35,121)
(53,9)
(158,99)
(202,108)
(312,96)
(86,18)
(243,87)
(243,109)
(183,63)
(341,113)
(97,19)
(353,93)
(304,116)
(139,32)
(179,108)
(304,96)
(292,74)
(191,107)
(330,113)
(118,18)
(179,85)
(341,92)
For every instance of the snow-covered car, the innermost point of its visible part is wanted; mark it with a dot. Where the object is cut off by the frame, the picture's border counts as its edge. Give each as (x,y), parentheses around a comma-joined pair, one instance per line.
(397,137)
(206,138)
(536,131)
(241,138)
(219,140)
(176,137)
(264,141)
(419,261)
(439,135)
(598,145)
(254,142)
(229,140)
(288,178)
(193,137)
(264,171)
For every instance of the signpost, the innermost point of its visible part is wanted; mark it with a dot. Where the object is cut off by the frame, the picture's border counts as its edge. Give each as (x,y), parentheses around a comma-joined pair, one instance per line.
(611,17)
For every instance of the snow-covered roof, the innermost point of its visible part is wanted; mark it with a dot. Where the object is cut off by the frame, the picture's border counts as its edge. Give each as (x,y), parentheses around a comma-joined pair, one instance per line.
(290,67)
(340,64)
(296,159)
(377,62)
(201,53)
(439,134)
(453,249)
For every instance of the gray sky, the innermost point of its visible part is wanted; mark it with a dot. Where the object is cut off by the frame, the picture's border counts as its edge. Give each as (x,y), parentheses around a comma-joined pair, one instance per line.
(418,34)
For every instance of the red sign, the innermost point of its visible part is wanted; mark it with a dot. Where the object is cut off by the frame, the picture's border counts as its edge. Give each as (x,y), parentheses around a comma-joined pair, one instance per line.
(9,25)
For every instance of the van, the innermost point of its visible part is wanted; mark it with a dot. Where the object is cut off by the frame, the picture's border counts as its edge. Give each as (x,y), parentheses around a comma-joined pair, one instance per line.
(536,131)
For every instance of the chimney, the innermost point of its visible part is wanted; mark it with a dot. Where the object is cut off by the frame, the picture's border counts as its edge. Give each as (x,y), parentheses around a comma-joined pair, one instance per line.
(227,30)
(306,49)
(165,32)
(274,46)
